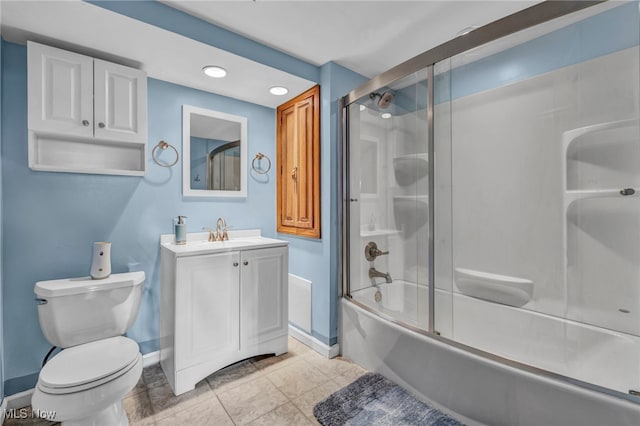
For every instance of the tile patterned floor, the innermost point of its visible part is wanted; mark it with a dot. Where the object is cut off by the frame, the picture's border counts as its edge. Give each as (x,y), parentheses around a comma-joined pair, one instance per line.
(266,390)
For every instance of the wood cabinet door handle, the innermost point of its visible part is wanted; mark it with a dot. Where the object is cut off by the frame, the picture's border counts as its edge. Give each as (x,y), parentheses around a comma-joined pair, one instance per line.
(294,173)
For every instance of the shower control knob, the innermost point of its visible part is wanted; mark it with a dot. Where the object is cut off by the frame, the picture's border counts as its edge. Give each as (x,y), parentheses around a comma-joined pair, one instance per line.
(371,251)
(627,191)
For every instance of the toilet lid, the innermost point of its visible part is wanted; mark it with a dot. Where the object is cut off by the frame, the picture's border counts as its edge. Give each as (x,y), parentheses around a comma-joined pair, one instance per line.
(89,362)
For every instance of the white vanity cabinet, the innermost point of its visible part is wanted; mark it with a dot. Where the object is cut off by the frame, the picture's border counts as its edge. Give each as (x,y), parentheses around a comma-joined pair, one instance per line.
(86,115)
(221,302)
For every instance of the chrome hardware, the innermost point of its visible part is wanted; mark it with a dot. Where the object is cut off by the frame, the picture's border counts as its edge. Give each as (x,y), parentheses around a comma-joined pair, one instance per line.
(85,123)
(101,125)
(235,263)
(627,191)
(41,301)
(371,251)
(373,273)
(245,263)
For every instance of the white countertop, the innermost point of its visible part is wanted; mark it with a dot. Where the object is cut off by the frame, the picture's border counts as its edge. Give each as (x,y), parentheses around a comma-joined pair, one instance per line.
(198,243)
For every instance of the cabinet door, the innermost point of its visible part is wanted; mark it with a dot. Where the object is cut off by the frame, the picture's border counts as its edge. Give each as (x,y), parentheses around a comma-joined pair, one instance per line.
(264,310)
(60,91)
(207,308)
(298,175)
(120,102)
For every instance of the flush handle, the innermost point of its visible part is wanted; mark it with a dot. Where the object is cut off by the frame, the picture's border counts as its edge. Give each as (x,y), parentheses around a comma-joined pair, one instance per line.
(41,301)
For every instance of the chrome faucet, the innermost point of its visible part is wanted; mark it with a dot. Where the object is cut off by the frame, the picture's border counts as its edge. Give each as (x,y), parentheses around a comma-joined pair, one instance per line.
(221,230)
(373,273)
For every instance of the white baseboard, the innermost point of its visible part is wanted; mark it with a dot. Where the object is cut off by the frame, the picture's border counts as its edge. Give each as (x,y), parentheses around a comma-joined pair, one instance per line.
(151,358)
(17,400)
(313,343)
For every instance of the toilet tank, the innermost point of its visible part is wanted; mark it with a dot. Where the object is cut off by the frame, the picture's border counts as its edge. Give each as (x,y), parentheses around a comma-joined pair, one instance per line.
(73,311)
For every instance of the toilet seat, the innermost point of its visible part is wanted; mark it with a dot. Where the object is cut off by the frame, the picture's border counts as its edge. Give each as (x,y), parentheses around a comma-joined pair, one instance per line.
(88,365)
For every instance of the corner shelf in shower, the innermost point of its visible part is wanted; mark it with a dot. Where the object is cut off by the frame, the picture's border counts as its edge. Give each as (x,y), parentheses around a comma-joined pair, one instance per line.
(600,224)
(410,168)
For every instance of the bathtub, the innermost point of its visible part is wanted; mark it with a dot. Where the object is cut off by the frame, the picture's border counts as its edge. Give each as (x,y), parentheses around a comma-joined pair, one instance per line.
(478,387)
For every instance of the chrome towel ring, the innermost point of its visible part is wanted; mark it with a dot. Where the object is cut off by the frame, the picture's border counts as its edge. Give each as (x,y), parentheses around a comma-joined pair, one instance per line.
(163,146)
(259,156)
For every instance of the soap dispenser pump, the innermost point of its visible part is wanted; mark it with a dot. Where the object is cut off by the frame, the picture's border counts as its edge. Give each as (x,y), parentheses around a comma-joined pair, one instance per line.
(181,230)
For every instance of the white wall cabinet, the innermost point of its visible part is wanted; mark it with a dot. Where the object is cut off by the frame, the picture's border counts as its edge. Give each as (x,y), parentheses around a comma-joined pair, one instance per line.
(86,115)
(220,308)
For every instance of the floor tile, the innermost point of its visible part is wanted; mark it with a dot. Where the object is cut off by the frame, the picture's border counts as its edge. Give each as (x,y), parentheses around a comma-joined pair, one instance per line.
(153,375)
(296,378)
(140,387)
(309,399)
(270,363)
(285,415)
(208,411)
(331,367)
(298,348)
(163,400)
(232,376)
(138,406)
(251,400)
(24,416)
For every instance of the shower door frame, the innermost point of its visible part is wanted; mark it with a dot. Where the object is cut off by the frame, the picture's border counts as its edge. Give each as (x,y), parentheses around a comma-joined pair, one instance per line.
(526,18)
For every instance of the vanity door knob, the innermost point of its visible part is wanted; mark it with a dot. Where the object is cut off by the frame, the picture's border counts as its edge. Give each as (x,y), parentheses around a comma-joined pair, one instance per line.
(85,123)
(101,125)
(245,263)
(235,263)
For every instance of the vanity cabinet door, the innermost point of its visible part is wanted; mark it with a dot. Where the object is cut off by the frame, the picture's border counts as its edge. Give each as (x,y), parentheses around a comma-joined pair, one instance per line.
(60,91)
(207,309)
(120,102)
(263,287)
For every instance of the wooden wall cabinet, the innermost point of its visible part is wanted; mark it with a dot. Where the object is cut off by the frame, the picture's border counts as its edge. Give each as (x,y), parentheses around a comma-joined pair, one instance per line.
(298,183)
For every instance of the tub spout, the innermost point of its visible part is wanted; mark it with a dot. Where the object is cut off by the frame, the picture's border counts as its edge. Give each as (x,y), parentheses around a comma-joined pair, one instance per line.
(373,273)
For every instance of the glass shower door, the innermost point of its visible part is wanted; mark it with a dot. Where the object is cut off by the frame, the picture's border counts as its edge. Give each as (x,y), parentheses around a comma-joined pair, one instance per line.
(388,201)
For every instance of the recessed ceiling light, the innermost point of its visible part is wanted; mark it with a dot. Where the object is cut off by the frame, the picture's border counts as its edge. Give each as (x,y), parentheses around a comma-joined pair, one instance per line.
(278,90)
(386,115)
(214,71)
(362,107)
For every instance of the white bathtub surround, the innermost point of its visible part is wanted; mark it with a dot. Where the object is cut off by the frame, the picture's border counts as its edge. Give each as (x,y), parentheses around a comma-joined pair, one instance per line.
(470,385)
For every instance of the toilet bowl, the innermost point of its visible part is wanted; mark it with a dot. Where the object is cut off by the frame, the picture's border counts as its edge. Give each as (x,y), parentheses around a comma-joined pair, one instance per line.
(86,382)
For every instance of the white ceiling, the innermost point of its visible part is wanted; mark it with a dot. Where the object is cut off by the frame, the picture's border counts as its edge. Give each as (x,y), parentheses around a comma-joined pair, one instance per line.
(88,29)
(368,37)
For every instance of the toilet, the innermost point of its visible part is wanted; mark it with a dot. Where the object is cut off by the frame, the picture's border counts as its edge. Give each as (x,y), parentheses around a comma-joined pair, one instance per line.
(86,382)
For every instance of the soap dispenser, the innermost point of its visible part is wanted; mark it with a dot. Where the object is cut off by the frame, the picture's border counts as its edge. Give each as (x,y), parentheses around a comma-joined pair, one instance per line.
(181,230)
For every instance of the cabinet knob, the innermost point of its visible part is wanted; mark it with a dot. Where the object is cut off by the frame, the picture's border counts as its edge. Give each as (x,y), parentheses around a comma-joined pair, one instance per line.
(245,263)
(235,263)
(85,123)
(101,125)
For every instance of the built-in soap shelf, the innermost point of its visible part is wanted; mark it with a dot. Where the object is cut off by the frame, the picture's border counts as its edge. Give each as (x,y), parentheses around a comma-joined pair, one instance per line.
(365,232)
(575,195)
(410,168)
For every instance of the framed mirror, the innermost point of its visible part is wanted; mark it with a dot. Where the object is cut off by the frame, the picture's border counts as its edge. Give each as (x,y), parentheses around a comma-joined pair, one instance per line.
(214,153)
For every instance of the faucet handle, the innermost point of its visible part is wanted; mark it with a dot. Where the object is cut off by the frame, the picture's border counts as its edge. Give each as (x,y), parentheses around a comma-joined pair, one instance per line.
(212,236)
(371,251)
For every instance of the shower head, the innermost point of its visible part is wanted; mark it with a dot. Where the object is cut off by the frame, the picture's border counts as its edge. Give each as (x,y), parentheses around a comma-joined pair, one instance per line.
(384,99)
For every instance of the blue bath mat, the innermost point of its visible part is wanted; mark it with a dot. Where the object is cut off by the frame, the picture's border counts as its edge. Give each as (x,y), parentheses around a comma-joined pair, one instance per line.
(374,400)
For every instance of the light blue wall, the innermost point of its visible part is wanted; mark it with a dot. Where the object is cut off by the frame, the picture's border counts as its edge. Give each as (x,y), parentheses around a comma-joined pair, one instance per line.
(51,219)
(317,260)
